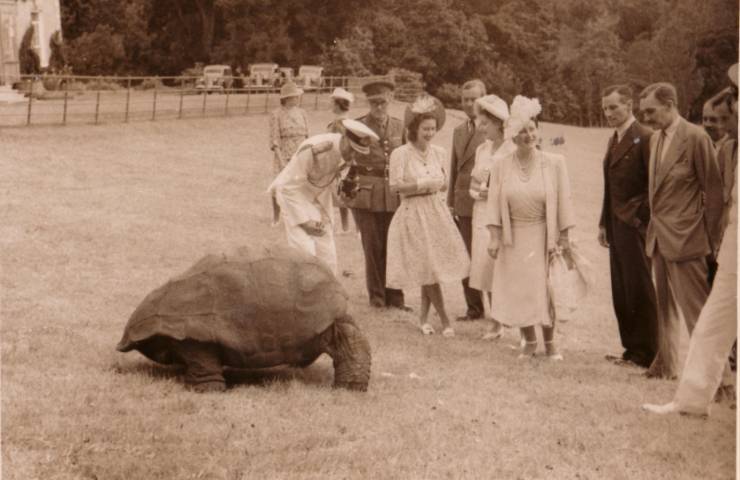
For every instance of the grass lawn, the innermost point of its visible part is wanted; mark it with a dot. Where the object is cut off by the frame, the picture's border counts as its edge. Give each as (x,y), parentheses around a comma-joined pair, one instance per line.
(94,218)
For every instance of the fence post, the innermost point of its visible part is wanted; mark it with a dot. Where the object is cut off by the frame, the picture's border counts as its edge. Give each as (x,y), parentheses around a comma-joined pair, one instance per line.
(182,92)
(154,101)
(226,107)
(267,99)
(97,102)
(246,107)
(30,101)
(66,94)
(316,95)
(205,95)
(128,98)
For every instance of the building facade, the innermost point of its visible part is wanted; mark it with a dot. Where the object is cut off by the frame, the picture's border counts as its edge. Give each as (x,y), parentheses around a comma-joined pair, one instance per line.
(16,17)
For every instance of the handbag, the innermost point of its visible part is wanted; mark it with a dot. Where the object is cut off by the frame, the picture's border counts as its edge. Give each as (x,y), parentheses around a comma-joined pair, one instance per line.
(568,282)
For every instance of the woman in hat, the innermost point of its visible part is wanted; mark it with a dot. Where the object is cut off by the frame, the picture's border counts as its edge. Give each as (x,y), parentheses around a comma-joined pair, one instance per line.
(529,215)
(425,248)
(341,101)
(492,112)
(288,126)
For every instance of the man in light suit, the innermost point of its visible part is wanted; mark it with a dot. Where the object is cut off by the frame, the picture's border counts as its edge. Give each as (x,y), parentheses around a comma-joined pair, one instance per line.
(625,215)
(465,140)
(685,191)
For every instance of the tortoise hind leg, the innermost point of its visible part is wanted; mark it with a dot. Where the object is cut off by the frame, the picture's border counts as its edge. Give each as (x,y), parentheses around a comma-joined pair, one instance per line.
(203,368)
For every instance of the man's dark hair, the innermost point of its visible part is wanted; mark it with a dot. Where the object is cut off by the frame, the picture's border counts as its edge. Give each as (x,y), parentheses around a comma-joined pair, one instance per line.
(664,93)
(625,92)
(725,97)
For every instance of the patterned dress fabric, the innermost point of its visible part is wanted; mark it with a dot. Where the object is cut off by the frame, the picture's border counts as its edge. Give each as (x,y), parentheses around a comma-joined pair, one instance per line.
(424,245)
(288,129)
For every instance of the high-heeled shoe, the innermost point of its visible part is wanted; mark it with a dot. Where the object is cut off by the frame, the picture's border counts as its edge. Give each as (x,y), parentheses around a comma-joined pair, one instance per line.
(528,350)
(552,352)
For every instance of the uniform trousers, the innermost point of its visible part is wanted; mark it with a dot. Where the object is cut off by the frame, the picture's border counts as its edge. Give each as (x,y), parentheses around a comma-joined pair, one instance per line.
(373,228)
(321,247)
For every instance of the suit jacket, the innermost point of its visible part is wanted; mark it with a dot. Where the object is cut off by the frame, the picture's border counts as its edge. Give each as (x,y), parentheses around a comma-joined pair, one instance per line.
(685,193)
(626,179)
(374,193)
(464,146)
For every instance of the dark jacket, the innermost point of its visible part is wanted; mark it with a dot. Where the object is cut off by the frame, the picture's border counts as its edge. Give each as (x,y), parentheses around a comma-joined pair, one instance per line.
(464,146)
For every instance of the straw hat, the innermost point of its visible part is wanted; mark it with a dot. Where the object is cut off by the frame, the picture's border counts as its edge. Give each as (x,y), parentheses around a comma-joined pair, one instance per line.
(493,105)
(342,94)
(290,89)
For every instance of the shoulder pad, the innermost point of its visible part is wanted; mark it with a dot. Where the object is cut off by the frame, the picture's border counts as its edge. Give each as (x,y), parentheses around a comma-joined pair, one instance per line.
(304,147)
(322,147)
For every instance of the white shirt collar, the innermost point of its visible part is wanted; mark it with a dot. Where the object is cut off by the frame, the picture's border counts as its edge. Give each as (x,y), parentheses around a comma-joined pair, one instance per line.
(622,129)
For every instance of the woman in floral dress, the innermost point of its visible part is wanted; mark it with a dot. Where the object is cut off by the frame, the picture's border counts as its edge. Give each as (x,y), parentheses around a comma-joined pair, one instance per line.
(424,245)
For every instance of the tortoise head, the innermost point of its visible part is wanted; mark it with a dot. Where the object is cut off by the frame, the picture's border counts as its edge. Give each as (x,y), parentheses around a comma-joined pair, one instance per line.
(351,354)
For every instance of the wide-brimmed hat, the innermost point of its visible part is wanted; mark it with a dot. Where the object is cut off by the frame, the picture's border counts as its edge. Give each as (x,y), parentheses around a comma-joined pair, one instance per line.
(378,88)
(523,110)
(732,73)
(341,94)
(359,135)
(290,89)
(425,103)
(494,105)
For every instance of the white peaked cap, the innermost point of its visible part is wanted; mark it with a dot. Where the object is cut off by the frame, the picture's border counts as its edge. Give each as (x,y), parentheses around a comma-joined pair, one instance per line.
(342,94)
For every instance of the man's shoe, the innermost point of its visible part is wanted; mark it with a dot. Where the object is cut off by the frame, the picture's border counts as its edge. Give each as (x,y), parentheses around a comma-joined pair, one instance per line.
(468,318)
(660,409)
(403,308)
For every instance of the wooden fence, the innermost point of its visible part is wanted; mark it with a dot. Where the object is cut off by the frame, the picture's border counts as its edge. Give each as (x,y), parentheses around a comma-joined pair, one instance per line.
(63,100)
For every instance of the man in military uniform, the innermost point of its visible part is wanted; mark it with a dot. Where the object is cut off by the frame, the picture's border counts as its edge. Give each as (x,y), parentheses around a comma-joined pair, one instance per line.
(374,204)
(304,189)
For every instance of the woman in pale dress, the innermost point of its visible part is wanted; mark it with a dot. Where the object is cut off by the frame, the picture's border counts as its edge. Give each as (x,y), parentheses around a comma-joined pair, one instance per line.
(492,112)
(425,248)
(529,215)
(288,129)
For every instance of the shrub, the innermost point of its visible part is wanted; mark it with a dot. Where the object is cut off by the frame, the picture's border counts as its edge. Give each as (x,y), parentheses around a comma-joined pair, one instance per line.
(151,84)
(102,84)
(30,64)
(408,84)
(449,95)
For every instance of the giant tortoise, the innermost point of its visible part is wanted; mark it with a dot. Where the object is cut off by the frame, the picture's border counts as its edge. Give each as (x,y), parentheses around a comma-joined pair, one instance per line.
(255,307)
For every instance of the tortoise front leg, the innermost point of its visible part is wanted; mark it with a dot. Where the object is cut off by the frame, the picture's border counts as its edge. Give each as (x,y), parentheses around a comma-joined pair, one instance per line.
(350,352)
(203,368)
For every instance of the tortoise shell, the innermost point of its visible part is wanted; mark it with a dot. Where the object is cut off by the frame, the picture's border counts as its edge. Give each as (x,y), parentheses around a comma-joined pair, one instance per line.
(262,305)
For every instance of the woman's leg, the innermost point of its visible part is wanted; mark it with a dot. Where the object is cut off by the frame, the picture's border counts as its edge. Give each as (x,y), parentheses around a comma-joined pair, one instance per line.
(530,342)
(548,335)
(425,302)
(435,296)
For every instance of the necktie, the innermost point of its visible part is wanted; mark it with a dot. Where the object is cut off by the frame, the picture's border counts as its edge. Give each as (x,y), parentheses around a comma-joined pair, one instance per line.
(659,148)
(615,140)
(471,126)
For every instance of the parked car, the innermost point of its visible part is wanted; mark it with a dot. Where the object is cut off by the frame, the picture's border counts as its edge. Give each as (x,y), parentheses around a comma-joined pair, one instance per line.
(216,78)
(309,77)
(284,75)
(263,74)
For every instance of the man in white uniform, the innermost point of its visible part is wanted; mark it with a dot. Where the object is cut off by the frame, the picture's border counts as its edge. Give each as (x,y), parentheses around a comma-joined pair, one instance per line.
(305,187)
(716,328)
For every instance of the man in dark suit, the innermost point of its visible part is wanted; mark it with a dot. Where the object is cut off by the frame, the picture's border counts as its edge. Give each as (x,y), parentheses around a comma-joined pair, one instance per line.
(466,138)
(374,204)
(685,191)
(625,214)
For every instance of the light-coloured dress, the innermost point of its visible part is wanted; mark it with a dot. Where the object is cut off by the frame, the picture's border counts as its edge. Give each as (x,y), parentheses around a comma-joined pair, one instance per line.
(424,245)
(288,129)
(531,211)
(481,263)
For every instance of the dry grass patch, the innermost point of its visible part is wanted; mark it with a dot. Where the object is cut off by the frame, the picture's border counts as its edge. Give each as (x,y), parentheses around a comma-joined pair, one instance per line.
(96,217)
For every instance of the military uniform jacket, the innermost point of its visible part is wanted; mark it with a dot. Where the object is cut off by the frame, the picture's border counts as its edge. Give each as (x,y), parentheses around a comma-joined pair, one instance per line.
(374,193)
(305,187)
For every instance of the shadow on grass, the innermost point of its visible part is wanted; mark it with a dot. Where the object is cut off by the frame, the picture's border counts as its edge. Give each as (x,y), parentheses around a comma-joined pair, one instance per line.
(315,374)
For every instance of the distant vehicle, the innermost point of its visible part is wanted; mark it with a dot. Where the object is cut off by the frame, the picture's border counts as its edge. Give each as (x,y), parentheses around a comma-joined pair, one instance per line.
(263,74)
(284,75)
(309,77)
(216,78)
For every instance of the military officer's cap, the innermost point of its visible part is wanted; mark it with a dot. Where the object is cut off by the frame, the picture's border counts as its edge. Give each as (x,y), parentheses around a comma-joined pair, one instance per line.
(359,135)
(378,88)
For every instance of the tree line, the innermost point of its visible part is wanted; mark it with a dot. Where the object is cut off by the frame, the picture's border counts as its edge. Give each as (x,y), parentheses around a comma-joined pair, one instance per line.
(563,52)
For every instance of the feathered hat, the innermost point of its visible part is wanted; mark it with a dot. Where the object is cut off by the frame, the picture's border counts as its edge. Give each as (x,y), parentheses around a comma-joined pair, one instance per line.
(425,103)
(522,110)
